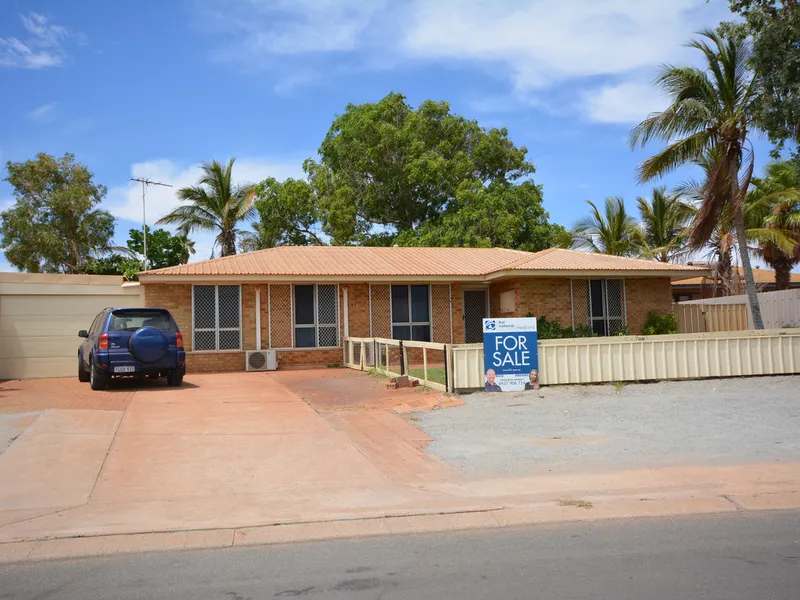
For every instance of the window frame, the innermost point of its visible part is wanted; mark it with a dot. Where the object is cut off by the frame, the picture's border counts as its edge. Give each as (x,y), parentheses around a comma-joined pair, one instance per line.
(411,323)
(605,317)
(216,329)
(316,325)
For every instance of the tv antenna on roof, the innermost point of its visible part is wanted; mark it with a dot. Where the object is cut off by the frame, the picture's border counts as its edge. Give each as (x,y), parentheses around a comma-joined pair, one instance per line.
(145,182)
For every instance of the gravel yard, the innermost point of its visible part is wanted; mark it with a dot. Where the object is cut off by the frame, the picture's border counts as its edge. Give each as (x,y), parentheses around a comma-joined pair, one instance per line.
(584,428)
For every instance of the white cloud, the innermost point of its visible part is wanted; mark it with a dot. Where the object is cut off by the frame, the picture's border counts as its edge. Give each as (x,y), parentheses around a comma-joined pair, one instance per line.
(43,113)
(125,201)
(624,103)
(532,44)
(264,28)
(541,42)
(41,49)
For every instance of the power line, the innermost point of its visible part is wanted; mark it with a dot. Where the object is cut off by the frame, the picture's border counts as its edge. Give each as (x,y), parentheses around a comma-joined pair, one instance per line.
(145,183)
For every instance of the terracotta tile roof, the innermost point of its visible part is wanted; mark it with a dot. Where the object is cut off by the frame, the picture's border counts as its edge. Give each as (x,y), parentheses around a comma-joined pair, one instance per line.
(762,276)
(558,259)
(354,260)
(360,261)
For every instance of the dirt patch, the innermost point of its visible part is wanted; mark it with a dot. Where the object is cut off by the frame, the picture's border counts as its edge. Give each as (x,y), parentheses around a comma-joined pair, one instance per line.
(345,390)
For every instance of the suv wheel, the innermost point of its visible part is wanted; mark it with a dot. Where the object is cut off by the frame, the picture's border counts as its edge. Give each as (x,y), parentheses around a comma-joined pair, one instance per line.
(175,377)
(83,376)
(97,378)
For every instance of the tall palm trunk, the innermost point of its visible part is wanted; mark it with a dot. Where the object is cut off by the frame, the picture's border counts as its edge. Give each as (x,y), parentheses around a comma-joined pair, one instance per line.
(741,237)
(783,270)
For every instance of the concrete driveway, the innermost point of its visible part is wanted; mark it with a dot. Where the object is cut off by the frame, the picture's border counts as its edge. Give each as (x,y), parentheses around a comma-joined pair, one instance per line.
(239,448)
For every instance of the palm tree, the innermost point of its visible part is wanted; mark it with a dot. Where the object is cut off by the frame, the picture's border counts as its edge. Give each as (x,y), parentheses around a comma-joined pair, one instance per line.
(214,204)
(188,247)
(614,232)
(711,111)
(774,204)
(664,220)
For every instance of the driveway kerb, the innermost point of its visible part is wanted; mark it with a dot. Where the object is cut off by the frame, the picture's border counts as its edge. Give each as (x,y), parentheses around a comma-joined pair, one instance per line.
(602,508)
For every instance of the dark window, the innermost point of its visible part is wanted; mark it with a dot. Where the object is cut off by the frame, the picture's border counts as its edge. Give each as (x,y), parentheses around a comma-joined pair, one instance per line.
(420,307)
(304,305)
(217,317)
(606,309)
(316,316)
(400,304)
(95,324)
(131,320)
(411,301)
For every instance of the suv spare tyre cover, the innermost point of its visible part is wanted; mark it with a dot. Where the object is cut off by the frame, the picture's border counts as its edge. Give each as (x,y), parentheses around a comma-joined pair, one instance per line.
(148,345)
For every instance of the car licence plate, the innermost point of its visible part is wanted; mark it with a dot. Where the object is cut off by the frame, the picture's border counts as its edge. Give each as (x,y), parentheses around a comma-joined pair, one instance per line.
(127,369)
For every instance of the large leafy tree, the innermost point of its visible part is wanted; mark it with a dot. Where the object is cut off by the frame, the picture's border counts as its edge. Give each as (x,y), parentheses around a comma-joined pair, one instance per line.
(664,217)
(288,214)
(164,249)
(54,225)
(711,111)
(217,204)
(386,169)
(501,214)
(773,206)
(612,231)
(774,26)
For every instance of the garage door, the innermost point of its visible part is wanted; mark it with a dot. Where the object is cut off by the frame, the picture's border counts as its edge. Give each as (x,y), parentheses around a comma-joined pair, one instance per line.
(40,316)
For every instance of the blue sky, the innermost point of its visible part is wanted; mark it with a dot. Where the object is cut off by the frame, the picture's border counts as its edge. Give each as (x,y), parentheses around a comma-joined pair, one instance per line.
(153,88)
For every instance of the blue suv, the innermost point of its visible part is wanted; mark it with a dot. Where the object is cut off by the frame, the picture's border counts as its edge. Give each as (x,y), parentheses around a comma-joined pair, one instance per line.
(131,342)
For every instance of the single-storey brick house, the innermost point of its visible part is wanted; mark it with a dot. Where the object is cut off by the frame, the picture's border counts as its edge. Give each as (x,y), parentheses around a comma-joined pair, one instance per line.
(303,301)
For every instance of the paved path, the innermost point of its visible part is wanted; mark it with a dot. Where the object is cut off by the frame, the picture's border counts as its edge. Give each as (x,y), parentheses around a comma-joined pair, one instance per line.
(734,557)
(223,451)
(254,458)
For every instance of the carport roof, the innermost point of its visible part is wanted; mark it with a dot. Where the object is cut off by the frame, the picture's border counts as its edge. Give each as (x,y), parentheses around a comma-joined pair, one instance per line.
(348,262)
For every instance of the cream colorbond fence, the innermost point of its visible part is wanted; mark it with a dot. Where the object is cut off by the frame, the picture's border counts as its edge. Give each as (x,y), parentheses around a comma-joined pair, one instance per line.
(707,318)
(640,358)
(778,309)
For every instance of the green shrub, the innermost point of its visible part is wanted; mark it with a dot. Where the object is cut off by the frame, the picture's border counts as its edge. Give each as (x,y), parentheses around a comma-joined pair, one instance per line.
(656,324)
(553,330)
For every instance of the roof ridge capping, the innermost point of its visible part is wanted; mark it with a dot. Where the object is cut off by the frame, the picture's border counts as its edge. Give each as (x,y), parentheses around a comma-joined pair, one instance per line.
(564,259)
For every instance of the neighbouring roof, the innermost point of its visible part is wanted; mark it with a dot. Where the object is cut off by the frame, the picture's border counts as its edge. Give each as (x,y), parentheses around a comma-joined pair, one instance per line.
(403,262)
(761,276)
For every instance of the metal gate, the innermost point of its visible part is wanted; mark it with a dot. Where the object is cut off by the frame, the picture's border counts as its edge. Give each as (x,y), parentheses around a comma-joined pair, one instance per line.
(476,309)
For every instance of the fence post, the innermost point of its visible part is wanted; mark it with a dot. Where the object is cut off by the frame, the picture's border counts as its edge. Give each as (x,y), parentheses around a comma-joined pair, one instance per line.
(425,363)
(403,358)
(446,370)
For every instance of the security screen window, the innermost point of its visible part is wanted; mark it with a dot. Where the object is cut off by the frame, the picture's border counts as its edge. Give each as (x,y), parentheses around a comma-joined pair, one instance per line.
(411,316)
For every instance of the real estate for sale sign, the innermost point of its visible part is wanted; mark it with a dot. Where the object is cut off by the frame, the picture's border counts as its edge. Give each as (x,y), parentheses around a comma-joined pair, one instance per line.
(511,358)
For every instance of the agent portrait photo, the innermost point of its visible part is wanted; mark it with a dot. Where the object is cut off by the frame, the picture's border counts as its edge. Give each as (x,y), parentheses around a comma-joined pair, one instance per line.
(533,380)
(491,386)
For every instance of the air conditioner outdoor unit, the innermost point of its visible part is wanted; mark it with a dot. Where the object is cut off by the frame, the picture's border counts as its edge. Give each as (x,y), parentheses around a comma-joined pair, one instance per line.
(261,360)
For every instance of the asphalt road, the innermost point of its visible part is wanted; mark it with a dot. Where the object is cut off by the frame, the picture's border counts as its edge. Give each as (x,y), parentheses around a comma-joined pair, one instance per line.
(748,556)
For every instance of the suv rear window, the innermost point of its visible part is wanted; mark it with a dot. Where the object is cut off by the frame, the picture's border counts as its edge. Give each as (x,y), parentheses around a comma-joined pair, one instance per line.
(131,320)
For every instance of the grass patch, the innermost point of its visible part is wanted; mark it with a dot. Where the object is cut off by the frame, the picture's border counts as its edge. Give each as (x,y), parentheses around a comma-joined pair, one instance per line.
(435,374)
(576,503)
(619,385)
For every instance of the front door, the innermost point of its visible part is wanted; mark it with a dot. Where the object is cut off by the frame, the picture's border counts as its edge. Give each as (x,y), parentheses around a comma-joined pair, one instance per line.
(476,309)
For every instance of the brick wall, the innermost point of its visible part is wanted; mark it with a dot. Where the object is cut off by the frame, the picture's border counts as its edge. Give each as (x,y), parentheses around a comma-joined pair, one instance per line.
(358,309)
(643,295)
(545,297)
(177,299)
(458,313)
(494,298)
